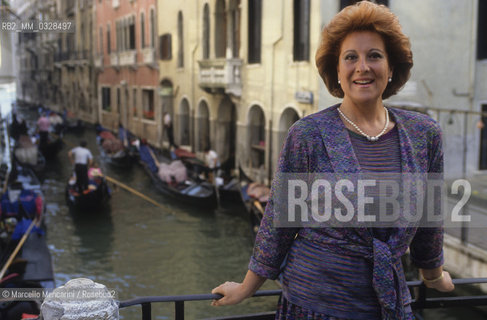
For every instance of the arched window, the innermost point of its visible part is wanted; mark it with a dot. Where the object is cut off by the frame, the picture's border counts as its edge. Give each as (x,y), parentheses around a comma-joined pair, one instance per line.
(101,51)
(142,30)
(255,30)
(235,27)
(482,31)
(220,30)
(256,136)
(301,30)
(206,32)
(184,123)
(152,28)
(180,40)
(109,45)
(203,127)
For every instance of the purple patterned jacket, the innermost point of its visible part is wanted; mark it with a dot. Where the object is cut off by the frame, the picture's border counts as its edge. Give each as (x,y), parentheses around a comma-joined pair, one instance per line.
(346,272)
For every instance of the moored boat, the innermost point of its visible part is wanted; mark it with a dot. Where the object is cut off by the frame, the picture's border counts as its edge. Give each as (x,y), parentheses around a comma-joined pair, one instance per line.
(53,146)
(255,196)
(32,267)
(115,151)
(27,154)
(228,187)
(189,190)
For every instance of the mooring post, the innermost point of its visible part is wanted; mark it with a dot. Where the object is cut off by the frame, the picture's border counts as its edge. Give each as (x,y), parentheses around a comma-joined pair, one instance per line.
(80,299)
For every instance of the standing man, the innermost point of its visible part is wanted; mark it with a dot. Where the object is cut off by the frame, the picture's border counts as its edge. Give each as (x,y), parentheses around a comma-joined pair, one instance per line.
(168,126)
(81,157)
(212,162)
(43,125)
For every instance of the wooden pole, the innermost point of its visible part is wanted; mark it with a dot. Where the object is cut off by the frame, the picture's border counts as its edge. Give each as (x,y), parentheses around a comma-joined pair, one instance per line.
(259,206)
(17,249)
(120,184)
(5,183)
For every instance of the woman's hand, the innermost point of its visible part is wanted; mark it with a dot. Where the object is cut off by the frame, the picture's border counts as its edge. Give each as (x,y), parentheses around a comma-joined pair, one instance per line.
(232,292)
(443,283)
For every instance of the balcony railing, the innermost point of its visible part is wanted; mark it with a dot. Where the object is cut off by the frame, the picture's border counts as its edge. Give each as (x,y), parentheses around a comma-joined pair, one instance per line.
(221,74)
(114,59)
(128,58)
(65,56)
(420,301)
(148,56)
(82,55)
(98,61)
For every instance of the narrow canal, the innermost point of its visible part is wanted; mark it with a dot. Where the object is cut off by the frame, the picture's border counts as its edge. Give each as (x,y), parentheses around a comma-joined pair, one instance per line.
(138,249)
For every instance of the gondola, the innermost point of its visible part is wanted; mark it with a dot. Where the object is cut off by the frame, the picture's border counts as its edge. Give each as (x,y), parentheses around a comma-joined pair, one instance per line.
(121,159)
(73,125)
(255,197)
(228,187)
(94,198)
(27,154)
(192,191)
(52,148)
(122,156)
(33,267)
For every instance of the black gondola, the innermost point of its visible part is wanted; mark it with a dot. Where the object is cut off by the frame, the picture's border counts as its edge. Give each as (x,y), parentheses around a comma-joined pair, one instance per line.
(123,156)
(33,267)
(121,159)
(27,154)
(254,200)
(73,125)
(94,198)
(191,191)
(52,148)
(228,186)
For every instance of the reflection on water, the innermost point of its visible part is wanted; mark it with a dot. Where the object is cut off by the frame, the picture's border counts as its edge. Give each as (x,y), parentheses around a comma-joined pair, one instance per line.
(142,250)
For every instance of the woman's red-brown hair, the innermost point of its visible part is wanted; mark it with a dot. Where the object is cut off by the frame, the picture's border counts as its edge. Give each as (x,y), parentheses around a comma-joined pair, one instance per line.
(360,17)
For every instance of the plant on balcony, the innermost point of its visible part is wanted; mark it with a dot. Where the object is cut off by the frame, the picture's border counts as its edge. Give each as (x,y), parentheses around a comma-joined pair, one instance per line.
(149,115)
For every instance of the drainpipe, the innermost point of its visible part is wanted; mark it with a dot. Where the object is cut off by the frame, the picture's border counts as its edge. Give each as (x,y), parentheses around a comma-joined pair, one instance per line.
(193,86)
(470,95)
(471,87)
(274,44)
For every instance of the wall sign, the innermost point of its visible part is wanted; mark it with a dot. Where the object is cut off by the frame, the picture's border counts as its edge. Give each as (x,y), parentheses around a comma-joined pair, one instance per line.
(304,97)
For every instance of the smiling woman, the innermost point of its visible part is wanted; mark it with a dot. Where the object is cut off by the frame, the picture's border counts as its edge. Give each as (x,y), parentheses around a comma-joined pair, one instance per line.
(348,272)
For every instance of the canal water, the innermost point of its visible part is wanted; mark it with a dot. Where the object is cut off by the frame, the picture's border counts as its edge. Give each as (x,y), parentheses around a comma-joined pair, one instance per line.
(138,249)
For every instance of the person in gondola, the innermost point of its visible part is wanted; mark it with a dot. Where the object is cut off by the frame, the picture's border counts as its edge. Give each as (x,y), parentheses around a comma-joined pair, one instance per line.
(347,272)
(43,125)
(212,162)
(81,158)
(169,129)
(15,127)
(18,208)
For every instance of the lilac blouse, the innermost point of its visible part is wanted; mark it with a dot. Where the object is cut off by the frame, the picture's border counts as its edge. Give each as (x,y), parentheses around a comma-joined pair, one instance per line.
(348,272)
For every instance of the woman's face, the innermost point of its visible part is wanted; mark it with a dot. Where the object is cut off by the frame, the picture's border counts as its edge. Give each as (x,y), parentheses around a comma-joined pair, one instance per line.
(363,67)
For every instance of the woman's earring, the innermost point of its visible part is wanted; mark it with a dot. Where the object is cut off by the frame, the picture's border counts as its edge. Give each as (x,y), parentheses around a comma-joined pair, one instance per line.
(340,82)
(390,79)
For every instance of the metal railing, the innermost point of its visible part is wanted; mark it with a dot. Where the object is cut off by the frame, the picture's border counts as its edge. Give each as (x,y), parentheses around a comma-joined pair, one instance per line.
(420,300)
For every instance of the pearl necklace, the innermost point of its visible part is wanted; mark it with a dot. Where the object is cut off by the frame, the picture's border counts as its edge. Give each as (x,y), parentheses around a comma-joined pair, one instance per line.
(370,138)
